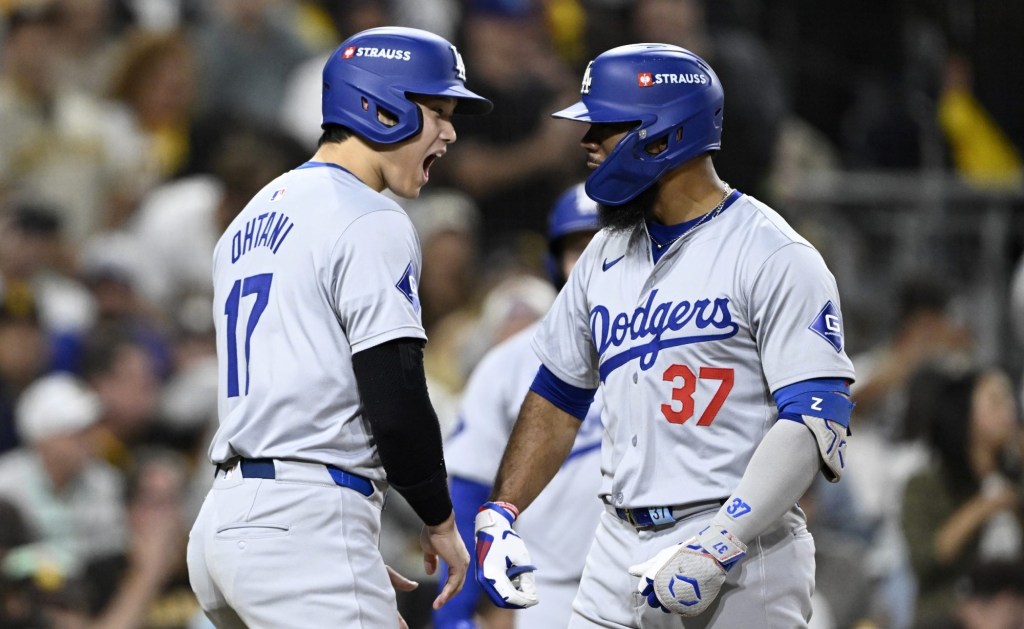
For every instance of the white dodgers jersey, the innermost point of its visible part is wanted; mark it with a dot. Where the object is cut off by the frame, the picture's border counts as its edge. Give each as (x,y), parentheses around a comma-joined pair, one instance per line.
(688,351)
(316,268)
(490,405)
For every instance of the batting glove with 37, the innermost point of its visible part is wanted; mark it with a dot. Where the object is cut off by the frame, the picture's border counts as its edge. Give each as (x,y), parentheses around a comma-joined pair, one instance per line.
(503,567)
(685,579)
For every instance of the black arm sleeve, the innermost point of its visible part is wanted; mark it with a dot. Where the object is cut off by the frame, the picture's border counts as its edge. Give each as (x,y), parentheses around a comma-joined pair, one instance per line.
(393,389)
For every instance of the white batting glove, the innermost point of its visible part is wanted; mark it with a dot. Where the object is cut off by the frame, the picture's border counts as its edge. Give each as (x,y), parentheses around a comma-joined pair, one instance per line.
(685,579)
(503,567)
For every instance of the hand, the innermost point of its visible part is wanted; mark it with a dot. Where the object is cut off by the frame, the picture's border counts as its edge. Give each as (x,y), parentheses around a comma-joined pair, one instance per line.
(404,585)
(503,567)
(443,540)
(685,579)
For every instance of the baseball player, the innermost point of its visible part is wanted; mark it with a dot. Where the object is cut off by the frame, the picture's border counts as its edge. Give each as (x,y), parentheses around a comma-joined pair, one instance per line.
(323,403)
(714,332)
(489,408)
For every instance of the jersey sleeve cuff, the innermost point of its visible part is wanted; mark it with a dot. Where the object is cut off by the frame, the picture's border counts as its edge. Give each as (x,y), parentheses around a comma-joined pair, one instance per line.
(573,400)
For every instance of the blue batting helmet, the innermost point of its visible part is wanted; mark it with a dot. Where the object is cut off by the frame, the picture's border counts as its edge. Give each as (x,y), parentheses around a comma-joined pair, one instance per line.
(573,212)
(377,70)
(672,94)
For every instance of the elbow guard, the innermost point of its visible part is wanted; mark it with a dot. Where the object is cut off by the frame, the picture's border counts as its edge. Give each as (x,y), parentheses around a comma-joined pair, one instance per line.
(824,406)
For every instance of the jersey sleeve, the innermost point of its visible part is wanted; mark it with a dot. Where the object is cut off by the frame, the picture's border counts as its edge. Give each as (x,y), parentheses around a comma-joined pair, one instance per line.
(796,318)
(486,416)
(563,341)
(374,274)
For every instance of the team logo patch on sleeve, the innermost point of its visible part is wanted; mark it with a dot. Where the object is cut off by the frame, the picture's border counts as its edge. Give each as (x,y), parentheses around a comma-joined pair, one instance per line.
(829,326)
(407,286)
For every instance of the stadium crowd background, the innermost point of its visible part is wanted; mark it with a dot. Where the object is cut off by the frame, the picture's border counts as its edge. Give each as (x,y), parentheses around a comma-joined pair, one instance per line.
(889,132)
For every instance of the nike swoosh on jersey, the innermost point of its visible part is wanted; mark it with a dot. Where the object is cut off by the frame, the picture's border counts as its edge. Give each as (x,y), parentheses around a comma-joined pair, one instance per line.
(607,265)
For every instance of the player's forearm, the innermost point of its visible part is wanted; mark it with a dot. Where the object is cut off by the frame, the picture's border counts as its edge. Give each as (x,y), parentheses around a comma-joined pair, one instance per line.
(540,441)
(782,468)
(393,389)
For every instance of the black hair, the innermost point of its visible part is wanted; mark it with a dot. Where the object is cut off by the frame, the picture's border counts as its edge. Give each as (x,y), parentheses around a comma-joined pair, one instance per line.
(988,579)
(939,407)
(921,294)
(43,13)
(334,133)
(37,220)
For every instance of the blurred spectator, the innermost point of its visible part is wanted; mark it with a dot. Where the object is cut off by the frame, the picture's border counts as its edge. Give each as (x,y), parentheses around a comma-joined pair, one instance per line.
(515,161)
(966,506)
(13,529)
(448,225)
(246,52)
(148,130)
(175,273)
(48,132)
(468,304)
(147,587)
(36,262)
(886,452)
(867,100)
(22,360)
(302,98)
(188,399)
(924,333)
(980,150)
(111,270)
(757,104)
(70,499)
(88,45)
(121,369)
(158,16)
(514,303)
(437,16)
(991,596)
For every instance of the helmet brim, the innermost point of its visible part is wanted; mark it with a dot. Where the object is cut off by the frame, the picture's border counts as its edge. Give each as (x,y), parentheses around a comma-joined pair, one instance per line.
(580,112)
(577,111)
(469,102)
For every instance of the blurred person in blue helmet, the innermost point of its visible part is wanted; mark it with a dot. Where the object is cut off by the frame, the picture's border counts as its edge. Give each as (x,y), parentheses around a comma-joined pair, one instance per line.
(486,415)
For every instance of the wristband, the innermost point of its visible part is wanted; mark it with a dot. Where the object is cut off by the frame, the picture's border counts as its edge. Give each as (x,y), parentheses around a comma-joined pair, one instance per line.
(511,508)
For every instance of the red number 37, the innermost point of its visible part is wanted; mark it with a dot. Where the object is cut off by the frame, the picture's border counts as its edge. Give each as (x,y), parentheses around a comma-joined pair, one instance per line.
(682,408)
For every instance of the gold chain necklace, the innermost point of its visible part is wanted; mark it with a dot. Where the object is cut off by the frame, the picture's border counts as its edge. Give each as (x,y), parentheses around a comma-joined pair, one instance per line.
(704,219)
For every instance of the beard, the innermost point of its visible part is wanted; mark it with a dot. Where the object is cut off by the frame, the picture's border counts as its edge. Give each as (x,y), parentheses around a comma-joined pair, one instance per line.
(631,214)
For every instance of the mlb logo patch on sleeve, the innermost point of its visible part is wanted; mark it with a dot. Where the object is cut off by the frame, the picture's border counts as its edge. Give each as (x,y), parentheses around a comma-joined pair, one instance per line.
(407,286)
(829,326)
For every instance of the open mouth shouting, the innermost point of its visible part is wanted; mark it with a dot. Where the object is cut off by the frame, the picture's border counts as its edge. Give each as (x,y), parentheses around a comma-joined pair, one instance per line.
(428,162)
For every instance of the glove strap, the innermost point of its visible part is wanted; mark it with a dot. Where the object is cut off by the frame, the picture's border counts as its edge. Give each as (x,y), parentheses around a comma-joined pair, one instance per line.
(507,509)
(720,544)
(511,508)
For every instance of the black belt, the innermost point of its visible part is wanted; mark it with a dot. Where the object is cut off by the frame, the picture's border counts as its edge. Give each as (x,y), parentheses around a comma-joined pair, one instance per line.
(264,468)
(658,517)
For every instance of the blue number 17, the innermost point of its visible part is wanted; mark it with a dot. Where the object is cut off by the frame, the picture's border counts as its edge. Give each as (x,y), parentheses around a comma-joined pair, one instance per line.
(260,285)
